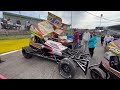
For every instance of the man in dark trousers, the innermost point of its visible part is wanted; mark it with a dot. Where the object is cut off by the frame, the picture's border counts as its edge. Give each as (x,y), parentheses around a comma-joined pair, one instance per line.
(102,39)
(80,37)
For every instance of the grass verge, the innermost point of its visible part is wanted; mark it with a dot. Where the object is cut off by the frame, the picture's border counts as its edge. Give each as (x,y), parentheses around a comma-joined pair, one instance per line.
(14,37)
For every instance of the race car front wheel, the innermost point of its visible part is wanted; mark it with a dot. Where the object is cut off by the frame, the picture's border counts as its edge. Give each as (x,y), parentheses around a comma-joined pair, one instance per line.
(97,73)
(25,54)
(67,68)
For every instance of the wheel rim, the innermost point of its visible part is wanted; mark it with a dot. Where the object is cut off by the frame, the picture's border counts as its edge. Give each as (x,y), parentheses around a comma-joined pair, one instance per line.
(24,52)
(95,75)
(66,69)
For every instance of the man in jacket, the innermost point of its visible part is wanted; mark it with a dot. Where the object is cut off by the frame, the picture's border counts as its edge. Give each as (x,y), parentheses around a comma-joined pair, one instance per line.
(75,39)
(86,37)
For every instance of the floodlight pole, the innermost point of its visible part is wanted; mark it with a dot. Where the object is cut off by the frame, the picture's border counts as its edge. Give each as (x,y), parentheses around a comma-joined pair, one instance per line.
(100,19)
(71,22)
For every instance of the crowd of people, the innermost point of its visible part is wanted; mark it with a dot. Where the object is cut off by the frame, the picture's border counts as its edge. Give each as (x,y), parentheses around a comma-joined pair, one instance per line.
(86,39)
(8,24)
(105,39)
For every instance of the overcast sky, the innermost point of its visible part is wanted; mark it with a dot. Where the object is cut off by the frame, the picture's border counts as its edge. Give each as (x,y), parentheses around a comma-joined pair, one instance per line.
(80,19)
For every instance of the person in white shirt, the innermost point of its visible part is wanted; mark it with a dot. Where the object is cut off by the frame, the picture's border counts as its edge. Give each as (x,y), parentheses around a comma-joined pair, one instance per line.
(86,37)
(112,38)
(107,39)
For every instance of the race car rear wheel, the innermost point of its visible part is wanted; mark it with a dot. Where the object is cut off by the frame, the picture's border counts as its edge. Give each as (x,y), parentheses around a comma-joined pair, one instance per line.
(97,73)
(67,68)
(25,54)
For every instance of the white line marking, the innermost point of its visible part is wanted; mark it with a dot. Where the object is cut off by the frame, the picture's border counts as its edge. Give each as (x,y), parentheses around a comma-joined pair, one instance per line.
(10,52)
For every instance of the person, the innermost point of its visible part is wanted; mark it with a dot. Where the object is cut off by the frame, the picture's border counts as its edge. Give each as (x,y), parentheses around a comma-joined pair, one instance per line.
(107,39)
(80,37)
(102,39)
(92,44)
(75,39)
(112,38)
(86,37)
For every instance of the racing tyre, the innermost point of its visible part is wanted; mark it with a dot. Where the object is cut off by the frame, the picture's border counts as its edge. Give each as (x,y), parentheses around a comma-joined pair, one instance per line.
(26,55)
(97,73)
(67,68)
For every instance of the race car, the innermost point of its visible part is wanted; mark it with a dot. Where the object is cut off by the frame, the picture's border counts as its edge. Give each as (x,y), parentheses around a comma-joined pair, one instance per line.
(67,59)
(109,68)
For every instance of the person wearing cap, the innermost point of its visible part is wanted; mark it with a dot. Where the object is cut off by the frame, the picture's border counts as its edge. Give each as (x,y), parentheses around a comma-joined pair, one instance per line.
(75,39)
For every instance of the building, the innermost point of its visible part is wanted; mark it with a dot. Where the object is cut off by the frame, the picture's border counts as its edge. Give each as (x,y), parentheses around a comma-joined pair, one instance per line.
(22,18)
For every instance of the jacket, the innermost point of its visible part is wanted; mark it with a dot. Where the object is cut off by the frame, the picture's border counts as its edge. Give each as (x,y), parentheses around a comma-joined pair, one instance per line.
(76,37)
(92,42)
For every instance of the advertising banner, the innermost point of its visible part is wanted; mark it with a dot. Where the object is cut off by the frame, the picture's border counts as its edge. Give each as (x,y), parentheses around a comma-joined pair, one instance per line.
(42,29)
(54,20)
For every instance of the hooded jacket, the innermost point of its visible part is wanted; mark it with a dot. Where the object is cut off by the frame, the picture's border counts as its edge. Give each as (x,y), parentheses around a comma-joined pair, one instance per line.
(76,37)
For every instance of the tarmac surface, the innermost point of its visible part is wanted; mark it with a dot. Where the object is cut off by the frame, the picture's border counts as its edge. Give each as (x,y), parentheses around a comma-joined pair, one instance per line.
(17,67)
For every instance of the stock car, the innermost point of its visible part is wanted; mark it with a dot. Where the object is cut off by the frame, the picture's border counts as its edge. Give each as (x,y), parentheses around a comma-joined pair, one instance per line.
(109,68)
(67,59)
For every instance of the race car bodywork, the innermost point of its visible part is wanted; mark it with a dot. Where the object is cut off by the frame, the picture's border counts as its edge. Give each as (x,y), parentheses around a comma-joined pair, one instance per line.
(42,44)
(114,47)
(109,68)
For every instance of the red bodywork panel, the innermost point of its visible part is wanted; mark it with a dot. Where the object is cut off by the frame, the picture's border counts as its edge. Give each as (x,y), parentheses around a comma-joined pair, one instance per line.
(2,77)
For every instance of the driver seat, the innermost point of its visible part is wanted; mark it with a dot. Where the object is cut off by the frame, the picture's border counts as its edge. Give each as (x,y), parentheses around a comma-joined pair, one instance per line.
(115,62)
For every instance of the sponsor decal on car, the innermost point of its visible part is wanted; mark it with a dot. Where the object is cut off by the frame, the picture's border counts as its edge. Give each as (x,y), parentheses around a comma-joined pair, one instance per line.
(113,49)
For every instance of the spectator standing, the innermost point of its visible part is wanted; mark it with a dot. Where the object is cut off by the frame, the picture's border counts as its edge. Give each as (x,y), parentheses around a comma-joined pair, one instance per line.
(107,39)
(80,37)
(86,37)
(112,38)
(102,39)
(92,44)
(75,39)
